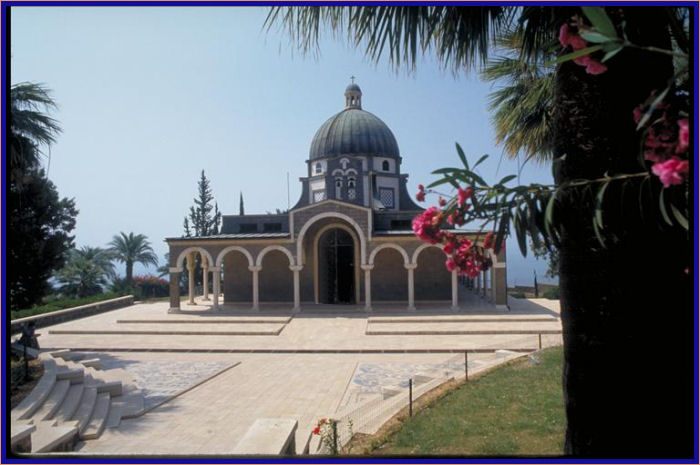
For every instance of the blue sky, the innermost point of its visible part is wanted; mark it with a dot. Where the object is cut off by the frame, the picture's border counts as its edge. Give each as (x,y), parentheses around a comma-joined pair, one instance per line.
(148,97)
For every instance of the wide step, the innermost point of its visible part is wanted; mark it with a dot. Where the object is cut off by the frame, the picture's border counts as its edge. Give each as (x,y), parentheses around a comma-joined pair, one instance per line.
(99,418)
(70,403)
(53,401)
(50,438)
(87,405)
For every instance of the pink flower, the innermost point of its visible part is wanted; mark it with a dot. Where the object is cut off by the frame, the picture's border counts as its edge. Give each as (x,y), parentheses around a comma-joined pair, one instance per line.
(637,114)
(462,196)
(420,196)
(426,226)
(448,248)
(671,172)
(564,35)
(450,264)
(683,135)
(489,240)
(595,67)
(442,202)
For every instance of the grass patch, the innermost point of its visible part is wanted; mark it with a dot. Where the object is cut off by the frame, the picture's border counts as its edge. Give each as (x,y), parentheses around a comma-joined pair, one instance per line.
(51,304)
(517,409)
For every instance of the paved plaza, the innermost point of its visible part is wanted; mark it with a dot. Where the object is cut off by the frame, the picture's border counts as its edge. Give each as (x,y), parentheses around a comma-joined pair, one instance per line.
(207,376)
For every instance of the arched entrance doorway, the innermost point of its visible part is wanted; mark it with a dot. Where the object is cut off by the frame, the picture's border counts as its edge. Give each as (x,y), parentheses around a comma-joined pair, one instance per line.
(336,267)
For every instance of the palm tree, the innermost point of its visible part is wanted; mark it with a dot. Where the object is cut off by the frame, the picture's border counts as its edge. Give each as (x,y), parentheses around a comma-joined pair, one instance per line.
(30,127)
(86,272)
(130,249)
(522,106)
(613,298)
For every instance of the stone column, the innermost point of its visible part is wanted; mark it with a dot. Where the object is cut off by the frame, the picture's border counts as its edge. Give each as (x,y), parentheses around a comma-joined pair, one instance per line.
(500,285)
(297,295)
(477,287)
(190,269)
(486,284)
(205,279)
(411,299)
(256,297)
(174,290)
(216,274)
(455,290)
(368,286)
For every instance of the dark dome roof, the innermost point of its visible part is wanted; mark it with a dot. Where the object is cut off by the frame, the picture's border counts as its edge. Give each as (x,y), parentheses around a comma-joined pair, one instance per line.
(353,132)
(354,87)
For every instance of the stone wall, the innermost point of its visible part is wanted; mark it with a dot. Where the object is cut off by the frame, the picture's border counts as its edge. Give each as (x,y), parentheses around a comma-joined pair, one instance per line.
(276,279)
(431,279)
(237,284)
(389,277)
(68,314)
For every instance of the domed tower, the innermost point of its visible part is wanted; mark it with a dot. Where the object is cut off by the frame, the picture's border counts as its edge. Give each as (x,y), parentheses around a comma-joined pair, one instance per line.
(354,158)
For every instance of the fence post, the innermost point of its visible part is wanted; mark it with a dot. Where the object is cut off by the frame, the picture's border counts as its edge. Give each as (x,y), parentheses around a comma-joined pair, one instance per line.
(539,341)
(410,397)
(466,365)
(334,425)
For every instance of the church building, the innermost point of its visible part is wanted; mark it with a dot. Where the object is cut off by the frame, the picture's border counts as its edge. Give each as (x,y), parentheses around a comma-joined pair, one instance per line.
(348,240)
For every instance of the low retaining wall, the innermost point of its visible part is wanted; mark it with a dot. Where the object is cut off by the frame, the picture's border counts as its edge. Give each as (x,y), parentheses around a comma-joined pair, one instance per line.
(68,314)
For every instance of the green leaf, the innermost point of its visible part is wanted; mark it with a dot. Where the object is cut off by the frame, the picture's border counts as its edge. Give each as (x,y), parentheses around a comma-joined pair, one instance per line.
(549,214)
(502,229)
(519,223)
(596,37)
(600,20)
(682,220)
(478,162)
(462,156)
(611,54)
(576,54)
(446,170)
(643,120)
(598,210)
(508,178)
(440,182)
(662,207)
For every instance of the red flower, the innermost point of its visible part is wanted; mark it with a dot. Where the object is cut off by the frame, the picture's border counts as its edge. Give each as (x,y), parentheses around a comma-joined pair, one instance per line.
(420,196)
(489,240)
(671,172)
(683,135)
(317,430)
(442,202)
(448,248)
(426,226)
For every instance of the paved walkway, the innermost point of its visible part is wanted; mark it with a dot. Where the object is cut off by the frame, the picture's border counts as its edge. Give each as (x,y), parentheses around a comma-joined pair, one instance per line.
(318,364)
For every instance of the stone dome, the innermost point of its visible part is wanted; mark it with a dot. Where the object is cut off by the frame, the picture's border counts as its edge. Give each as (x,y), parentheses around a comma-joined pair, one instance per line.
(353,131)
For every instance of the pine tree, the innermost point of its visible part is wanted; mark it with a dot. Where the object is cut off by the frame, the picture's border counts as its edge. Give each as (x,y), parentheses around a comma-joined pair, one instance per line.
(204,218)
(241,208)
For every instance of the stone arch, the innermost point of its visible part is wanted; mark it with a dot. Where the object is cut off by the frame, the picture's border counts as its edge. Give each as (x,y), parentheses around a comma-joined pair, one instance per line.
(284,250)
(320,216)
(356,243)
(389,246)
(222,254)
(420,249)
(183,254)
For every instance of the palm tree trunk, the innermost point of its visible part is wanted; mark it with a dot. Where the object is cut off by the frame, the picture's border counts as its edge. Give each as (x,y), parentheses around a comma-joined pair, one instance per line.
(626,309)
(129,271)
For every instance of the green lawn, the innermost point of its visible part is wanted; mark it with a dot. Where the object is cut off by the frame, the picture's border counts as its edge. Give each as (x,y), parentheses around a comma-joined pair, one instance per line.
(515,409)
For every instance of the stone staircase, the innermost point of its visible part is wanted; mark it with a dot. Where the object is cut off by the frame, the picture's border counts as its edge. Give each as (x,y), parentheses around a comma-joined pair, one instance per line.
(73,401)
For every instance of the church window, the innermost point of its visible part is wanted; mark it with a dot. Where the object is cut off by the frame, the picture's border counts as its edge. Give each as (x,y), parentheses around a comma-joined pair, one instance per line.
(319,195)
(318,168)
(351,183)
(385,165)
(338,188)
(248,228)
(386,196)
(272,227)
(351,194)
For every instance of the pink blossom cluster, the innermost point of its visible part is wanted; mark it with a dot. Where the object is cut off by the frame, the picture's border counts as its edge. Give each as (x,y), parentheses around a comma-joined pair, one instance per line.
(426,226)
(666,139)
(568,37)
(463,255)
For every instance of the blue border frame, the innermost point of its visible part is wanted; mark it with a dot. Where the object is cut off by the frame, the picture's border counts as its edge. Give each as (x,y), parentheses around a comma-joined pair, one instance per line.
(3,329)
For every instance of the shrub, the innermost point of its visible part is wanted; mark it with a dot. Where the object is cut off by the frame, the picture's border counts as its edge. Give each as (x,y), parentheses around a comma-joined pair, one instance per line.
(54,303)
(151,286)
(552,293)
